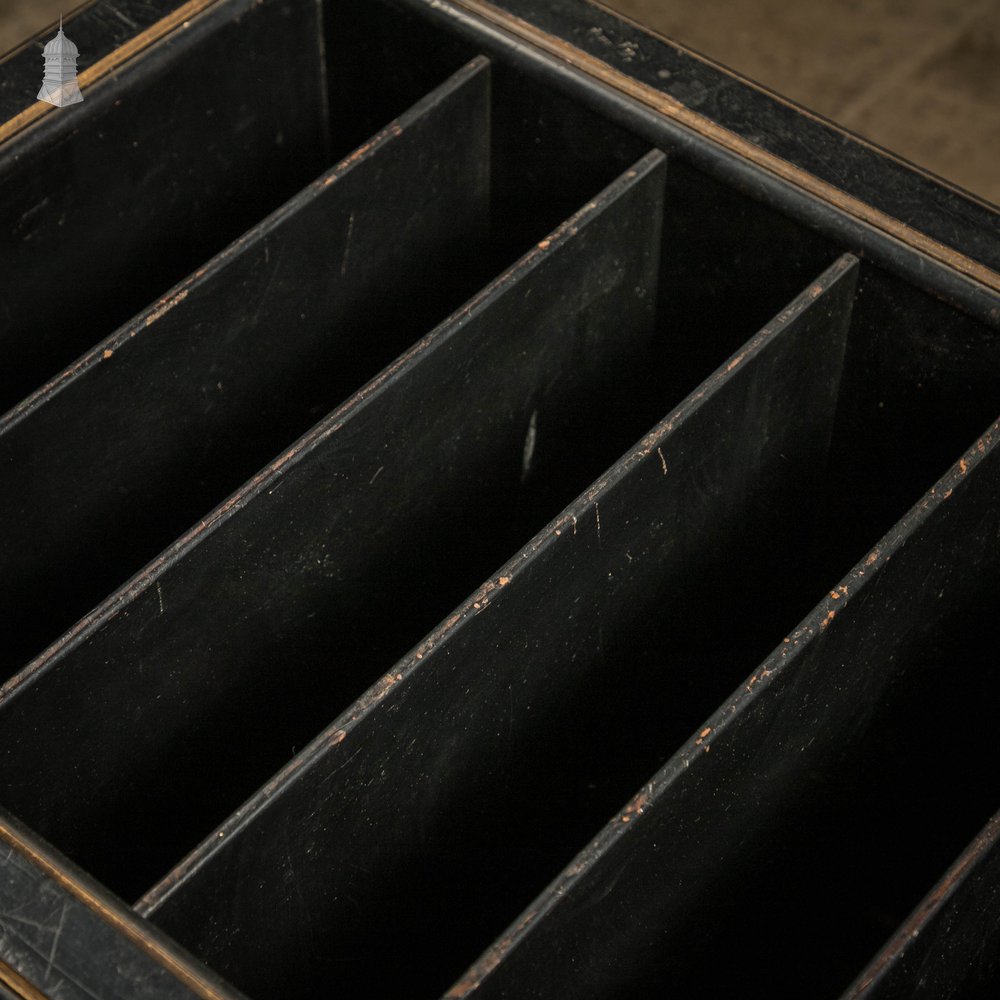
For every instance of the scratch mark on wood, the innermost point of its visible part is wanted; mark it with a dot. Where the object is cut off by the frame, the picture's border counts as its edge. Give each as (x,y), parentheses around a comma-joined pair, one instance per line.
(17,918)
(124,18)
(344,763)
(529,445)
(31,211)
(347,244)
(55,940)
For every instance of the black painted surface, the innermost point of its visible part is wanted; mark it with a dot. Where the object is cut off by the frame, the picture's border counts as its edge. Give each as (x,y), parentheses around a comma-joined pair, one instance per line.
(947,214)
(739,174)
(512,729)
(160,422)
(550,153)
(245,638)
(809,813)
(107,204)
(949,947)
(81,943)
(777,850)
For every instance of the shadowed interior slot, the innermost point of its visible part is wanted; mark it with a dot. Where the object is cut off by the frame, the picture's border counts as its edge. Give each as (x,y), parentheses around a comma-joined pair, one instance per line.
(231,651)
(569,667)
(202,145)
(367,717)
(506,737)
(161,421)
(804,803)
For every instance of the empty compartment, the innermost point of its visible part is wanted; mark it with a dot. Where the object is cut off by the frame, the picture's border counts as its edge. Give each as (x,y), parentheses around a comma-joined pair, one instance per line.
(498,746)
(478,761)
(223,120)
(162,420)
(242,640)
(805,819)
(106,204)
(728,262)
(796,826)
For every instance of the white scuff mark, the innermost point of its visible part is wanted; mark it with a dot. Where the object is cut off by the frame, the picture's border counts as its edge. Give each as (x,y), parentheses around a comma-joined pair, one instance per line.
(55,940)
(529,445)
(347,244)
(32,211)
(159,594)
(124,18)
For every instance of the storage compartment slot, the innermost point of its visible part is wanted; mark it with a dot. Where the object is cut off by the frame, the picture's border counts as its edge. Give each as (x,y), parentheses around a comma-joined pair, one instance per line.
(216,141)
(489,344)
(729,263)
(239,643)
(105,205)
(160,422)
(809,814)
(452,792)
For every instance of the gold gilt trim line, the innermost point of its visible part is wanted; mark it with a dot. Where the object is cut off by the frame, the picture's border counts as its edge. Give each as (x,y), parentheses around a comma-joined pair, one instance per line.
(127,928)
(671,108)
(18,985)
(109,63)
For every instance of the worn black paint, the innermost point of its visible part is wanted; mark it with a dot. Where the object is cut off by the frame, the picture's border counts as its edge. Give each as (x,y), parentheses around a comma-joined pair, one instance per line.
(778,850)
(792,831)
(118,455)
(70,939)
(926,203)
(745,177)
(949,946)
(256,629)
(520,724)
(103,208)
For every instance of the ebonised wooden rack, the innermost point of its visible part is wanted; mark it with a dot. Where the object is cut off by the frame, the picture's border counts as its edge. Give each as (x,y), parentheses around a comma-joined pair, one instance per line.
(493,505)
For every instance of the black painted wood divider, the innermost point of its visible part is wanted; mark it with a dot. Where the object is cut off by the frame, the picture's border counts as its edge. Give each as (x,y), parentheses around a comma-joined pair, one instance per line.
(65,937)
(168,159)
(236,645)
(527,789)
(786,838)
(156,424)
(436,806)
(950,944)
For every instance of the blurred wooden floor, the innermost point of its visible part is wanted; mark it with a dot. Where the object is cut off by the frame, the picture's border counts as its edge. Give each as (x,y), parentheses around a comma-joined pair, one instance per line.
(921,77)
